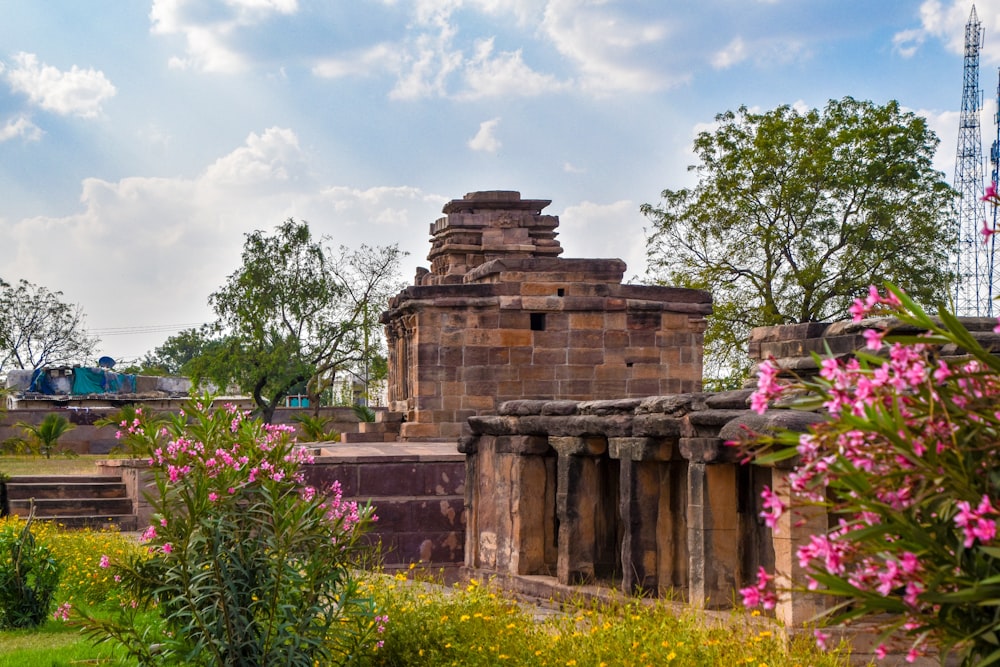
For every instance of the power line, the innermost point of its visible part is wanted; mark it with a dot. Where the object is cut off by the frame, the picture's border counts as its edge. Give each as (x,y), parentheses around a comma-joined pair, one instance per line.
(143,329)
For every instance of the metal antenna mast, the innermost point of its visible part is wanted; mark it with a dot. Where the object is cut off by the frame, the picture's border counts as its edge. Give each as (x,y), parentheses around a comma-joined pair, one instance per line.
(995,178)
(973,258)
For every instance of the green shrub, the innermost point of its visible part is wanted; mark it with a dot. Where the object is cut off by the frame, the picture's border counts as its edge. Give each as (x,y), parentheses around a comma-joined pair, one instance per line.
(29,575)
(246,565)
(315,427)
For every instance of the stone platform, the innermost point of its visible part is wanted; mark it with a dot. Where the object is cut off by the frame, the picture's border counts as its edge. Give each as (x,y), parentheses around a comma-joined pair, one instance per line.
(418,490)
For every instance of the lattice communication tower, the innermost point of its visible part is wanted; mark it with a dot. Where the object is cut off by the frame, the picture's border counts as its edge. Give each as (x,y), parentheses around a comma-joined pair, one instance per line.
(973,259)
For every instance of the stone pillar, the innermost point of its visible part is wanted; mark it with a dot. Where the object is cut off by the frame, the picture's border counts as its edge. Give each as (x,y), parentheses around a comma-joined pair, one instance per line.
(713,526)
(638,505)
(795,607)
(531,517)
(510,502)
(577,491)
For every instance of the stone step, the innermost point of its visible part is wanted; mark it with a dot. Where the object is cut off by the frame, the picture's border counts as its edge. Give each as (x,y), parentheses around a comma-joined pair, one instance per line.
(73,501)
(60,479)
(53,507)
(367,437)
(110,488)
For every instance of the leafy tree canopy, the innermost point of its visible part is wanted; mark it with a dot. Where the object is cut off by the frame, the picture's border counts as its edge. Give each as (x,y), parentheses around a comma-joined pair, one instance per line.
(38,329)
(179,354)
(296,312)
(795,213)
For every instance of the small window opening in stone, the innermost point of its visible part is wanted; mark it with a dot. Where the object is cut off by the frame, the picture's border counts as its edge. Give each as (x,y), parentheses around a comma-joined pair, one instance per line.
(628,364)
(560,292)
(538,321)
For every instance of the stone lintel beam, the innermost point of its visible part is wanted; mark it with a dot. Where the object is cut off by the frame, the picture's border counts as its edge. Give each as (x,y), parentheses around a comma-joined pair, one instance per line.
(768,423)
(525,445)
(640,449)
(708,423)
(674,405)
(468,444)
(708,450)
(521,407)
(493,425)
(560,408)
(663,293)
(593,445)
(736,399)
(658,426)
(610,407)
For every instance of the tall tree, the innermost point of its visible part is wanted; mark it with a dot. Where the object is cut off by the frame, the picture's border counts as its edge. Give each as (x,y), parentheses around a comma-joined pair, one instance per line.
(37,328)
(795,213)
(295,312)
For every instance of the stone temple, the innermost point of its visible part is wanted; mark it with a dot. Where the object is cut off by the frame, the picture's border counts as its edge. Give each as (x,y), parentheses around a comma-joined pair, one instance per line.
(500,316)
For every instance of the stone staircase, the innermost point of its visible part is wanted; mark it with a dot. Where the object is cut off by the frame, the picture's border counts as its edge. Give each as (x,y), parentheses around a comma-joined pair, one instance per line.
(74,501)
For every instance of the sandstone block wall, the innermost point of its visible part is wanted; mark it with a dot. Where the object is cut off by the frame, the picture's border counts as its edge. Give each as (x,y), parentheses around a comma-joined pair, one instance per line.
(500,317)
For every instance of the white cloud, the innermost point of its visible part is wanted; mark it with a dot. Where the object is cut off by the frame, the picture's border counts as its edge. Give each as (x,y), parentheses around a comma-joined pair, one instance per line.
(733,53)
(571,168)
(208,31)
(602,44)
(485,139)
(945,21)
(599,40)
(79,92)
(146,251)
(428,63)
(20,127)
(585,232)
(378,58)
(504,74)
(263,161)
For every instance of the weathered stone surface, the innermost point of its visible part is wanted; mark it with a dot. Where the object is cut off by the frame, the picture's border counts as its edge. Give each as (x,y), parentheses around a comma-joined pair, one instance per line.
(521,407)
(657,425)
(673,405)
(610,407)
(769,422)
(708,450)
(560,408)
(738,399)
(640,449)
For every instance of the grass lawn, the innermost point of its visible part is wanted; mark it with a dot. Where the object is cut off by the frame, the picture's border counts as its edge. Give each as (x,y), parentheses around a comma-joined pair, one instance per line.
(55,644)
(57,465)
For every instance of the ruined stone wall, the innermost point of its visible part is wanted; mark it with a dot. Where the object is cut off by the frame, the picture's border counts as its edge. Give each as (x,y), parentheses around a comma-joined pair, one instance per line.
(639,493)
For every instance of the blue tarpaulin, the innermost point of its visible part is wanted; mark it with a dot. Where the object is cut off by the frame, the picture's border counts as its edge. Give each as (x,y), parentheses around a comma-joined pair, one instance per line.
(101,381)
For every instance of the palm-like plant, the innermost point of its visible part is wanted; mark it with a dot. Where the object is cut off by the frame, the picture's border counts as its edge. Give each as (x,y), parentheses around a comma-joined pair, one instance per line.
(45,436)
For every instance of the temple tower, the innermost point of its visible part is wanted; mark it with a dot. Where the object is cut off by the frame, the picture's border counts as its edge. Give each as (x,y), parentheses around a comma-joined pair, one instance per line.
(500,316)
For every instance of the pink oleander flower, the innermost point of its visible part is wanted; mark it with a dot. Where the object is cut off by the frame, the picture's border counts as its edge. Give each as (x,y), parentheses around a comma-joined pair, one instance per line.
(168,548)
(873,339)
(761,594)
(105,563)
(62,612)
(987,231)
(773,507)
(991,192)
(821,639)
(974,522)
(767,386)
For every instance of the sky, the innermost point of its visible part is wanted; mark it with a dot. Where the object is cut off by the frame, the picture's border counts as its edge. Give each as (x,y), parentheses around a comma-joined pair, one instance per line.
(140,141)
